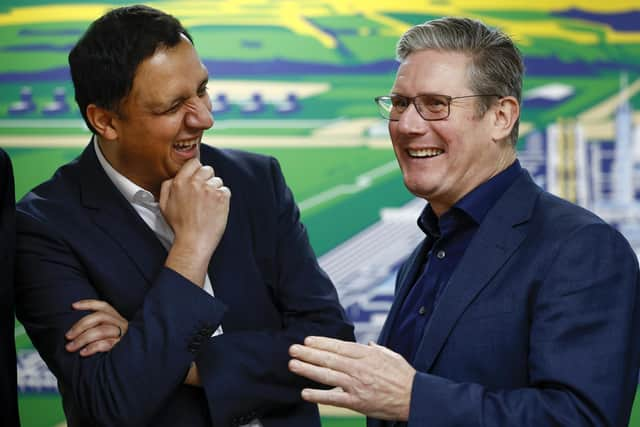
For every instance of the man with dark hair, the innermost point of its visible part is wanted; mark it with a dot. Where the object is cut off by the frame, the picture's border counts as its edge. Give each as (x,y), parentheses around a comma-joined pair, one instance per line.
(518,308)
(8,386)
(154,296)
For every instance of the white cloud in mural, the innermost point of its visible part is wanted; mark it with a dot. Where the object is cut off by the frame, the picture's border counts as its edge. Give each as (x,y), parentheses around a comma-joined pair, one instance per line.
(552,91)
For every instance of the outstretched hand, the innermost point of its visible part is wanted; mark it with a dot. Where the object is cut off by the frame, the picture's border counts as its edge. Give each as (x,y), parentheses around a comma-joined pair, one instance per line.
(370,379)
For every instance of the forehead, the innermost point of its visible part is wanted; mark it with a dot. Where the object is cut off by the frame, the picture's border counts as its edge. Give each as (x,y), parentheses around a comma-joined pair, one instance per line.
(170,72)
(433,71)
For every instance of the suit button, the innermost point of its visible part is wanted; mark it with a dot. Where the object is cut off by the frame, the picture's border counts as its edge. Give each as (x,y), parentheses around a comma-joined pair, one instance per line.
(422,310)
(441,254)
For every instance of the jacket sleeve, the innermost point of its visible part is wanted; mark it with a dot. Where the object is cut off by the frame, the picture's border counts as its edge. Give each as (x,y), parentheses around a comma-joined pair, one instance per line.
(583,348)
(127,385)
(8,388)
(245,374)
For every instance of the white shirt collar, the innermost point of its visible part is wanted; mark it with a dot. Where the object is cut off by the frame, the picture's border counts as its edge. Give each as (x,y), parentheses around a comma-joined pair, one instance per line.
(131,191)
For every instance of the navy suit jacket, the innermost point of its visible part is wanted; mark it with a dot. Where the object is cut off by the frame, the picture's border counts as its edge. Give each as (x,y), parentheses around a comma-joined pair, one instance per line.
(8,387)
(539,325)
(79,238)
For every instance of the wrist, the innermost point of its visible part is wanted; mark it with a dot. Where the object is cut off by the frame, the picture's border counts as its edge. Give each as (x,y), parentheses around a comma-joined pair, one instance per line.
(190,261)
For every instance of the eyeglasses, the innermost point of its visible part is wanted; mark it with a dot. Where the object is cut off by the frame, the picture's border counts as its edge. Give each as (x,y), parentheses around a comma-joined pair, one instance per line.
(430,106)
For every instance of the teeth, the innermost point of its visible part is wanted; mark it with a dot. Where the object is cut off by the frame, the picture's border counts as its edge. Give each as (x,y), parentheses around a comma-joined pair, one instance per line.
(427,152)
(186,145)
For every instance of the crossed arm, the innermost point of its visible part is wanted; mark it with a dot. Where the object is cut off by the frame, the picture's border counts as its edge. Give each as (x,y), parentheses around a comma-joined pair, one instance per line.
(305,297)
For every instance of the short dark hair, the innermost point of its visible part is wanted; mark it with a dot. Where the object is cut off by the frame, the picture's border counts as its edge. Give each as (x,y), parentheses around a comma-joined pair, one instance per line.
(496,63)
(104,61)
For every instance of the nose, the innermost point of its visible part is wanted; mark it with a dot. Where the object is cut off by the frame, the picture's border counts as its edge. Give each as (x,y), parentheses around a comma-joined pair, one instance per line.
(199,114)
(411,122)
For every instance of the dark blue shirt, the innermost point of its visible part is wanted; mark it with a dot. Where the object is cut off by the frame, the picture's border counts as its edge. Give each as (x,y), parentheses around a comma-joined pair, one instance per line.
(446,240)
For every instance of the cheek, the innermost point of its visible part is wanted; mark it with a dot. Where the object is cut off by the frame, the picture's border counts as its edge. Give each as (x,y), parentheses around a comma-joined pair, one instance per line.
(394,134)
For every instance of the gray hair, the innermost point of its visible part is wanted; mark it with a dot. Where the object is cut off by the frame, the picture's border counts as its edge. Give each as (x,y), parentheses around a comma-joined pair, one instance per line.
(496,63)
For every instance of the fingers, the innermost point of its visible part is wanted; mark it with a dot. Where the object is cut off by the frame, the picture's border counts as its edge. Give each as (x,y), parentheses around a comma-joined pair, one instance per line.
(94,305)
(344,348)
(385,350)
(91,321)
(215,182)
(103,337)
(204,173)
(323,358)
(319,374)
(187,170)
(193,169)
(98,331)
(334,397)
(102,346)
(165,193)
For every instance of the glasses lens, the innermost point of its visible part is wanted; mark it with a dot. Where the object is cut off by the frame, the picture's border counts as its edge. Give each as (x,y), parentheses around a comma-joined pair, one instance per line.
(384,106)
(433,107)
(398,105)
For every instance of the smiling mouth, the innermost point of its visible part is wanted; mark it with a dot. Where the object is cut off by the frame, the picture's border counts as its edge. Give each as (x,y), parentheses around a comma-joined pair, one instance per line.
(185,146)
(425,153)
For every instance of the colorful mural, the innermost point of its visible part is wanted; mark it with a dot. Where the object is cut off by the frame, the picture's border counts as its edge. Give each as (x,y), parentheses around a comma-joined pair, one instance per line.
(296,79)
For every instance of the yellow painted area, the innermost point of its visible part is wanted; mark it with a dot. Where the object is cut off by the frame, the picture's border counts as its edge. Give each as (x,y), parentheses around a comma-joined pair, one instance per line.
(546,5)
(287,14)
(396,26)
(53,13)
(295,14)
(618,37)
(566,155)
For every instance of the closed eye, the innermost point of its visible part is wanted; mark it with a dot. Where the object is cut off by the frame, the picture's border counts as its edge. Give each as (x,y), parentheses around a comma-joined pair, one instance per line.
(175,107)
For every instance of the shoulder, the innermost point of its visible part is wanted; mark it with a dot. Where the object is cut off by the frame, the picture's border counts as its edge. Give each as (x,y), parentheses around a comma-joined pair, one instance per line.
(576,236)
(59,193)
(560,214)
(527,203)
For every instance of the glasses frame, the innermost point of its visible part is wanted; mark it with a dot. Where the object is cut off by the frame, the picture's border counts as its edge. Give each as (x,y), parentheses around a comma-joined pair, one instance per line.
(412,100)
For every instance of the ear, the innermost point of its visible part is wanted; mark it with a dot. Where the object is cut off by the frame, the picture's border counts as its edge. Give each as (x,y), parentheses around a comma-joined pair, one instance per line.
(102,121)
(505,115)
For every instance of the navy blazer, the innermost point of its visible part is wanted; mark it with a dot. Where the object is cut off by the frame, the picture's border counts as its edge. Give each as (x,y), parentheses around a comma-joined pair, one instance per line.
(537,326)
(79,238)
(8,386)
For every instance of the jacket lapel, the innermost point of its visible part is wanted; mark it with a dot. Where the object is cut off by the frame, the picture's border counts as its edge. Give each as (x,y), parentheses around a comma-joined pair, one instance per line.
(114,214)
(498,237)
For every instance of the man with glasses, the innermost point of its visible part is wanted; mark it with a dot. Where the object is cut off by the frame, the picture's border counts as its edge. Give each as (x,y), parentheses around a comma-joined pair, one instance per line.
(518,308)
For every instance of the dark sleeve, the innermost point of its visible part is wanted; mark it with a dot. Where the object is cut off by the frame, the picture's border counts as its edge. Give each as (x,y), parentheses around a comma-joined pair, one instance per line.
(129,384)
(8,384)
(584,348)
(245,374)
